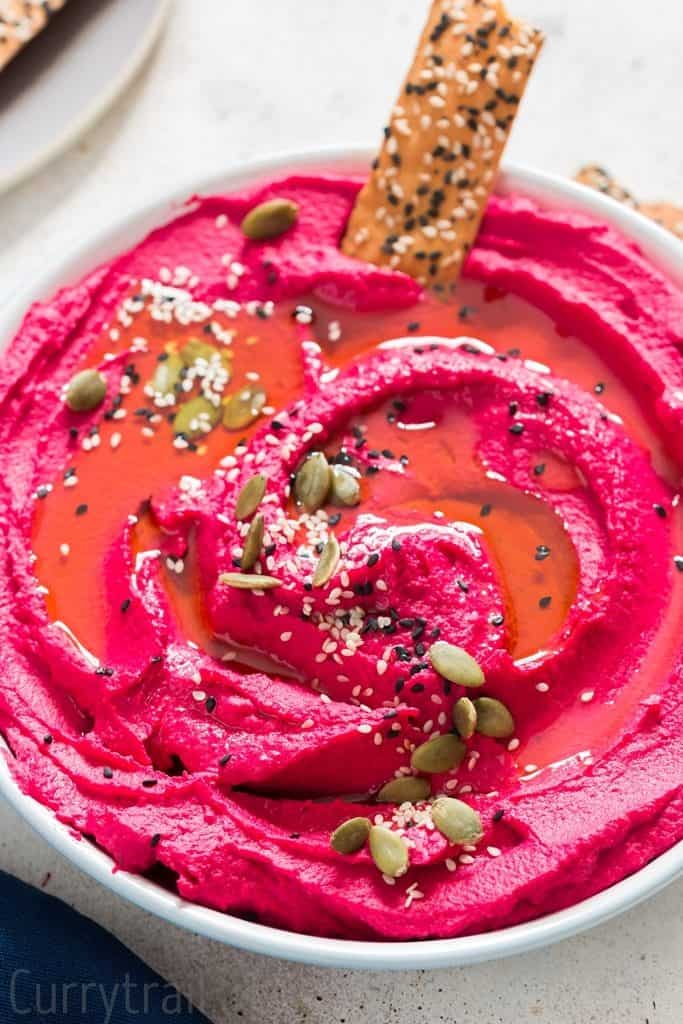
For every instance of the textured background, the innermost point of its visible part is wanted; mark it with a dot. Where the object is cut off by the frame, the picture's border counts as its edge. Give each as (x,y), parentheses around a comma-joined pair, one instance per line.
(231,81)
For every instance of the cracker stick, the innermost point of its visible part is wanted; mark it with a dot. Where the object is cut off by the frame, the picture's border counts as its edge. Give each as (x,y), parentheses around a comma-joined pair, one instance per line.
(20,22)
(666,214)
(598,178)
(422,204)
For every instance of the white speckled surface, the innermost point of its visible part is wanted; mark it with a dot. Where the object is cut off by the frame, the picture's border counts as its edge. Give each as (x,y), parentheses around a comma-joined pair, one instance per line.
(223,86)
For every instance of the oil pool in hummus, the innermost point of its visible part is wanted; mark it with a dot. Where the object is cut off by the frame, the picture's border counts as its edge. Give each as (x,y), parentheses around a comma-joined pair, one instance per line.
(337,604)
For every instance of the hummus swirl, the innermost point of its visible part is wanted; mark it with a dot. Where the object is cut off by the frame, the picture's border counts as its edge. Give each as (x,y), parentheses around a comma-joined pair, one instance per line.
(231,766)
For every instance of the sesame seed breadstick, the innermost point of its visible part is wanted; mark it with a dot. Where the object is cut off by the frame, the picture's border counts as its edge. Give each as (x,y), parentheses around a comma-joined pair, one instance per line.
(666,214)
(420,209)
(20,22)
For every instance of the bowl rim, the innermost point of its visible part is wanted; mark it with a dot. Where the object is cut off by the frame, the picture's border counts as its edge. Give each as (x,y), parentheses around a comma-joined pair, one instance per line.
(549,190)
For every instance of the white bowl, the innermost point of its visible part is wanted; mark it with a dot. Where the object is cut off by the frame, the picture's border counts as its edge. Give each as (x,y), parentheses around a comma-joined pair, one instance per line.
(665,251)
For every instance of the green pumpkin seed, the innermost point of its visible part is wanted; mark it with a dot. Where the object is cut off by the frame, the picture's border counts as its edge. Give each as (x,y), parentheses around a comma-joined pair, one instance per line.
(270,219)
(243,408)
(250,497)
(249,581)
(457,821)
(167,375)
(389,851)
(351,835)
(408,789)
(196,418)
(196,349)
(440,754)
(465,717)
(493,718)
(86,390)
(455,664)
(313,481)
(327,563)
(253,543)
(345,488)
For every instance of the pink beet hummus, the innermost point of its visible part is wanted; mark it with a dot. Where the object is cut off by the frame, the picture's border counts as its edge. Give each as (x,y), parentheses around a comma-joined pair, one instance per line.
(225,781)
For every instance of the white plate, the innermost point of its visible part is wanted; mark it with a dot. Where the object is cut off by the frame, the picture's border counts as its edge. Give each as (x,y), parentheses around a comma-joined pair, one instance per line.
(664,250)
(68,76)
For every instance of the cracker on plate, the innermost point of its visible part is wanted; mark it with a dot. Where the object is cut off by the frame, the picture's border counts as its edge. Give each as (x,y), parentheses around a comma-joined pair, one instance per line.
(20,22)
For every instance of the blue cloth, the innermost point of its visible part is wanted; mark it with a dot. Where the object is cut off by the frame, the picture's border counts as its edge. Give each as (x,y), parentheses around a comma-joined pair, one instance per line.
(56,965)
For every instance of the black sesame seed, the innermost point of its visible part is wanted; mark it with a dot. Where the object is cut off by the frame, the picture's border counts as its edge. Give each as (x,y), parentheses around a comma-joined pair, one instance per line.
(599,388)
(224,760)
(545,602)
(539,469)
(660,510)
(108,773)
(372,559)
(414,325)
(498,815)
(497,619)
(517,429)
(513,408)
(149,783)
(47,739)
(395,544)
(417,688)
(678,562)
(81,509)
(155,840)
(543,397)
(42,491)
(125,604)
(103,670)
(485,510)
(542,552)
(210,704)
